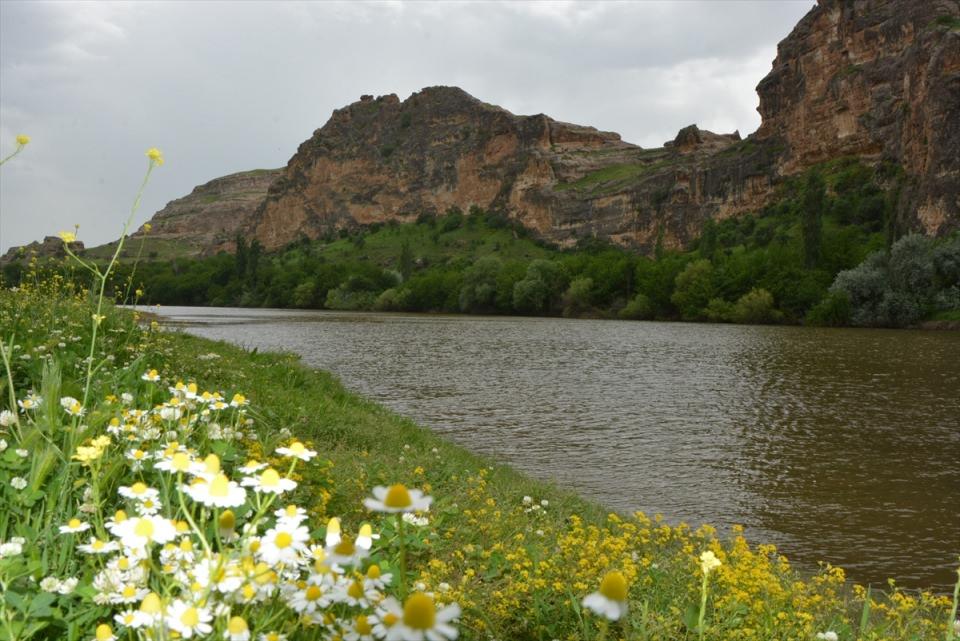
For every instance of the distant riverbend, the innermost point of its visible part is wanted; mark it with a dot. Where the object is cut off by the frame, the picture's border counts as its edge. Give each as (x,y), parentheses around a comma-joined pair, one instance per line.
(836,445)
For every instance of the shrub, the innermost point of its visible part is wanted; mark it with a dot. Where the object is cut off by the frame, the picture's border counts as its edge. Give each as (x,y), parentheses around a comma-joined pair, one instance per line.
(579,297)
(756,307)
(693,289)
(639,308)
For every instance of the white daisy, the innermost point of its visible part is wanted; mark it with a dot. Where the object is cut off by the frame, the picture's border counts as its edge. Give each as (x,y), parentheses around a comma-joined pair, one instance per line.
(291,515)
(237,629)
(397,498)
(611,600)
(219,492)
(138,532)
(296,450)
(269,482)
(73,526)
(152,376)
(96,546)
(188,620)
(138,492)
(283,544)
(419,619)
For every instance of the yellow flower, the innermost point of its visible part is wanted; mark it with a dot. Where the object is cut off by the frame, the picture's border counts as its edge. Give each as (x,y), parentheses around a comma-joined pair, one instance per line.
(67,236)
(155,156)
(23,139)
(147,226)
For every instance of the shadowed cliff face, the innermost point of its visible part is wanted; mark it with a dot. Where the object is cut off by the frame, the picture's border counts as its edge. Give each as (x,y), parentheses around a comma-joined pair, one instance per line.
(879,80)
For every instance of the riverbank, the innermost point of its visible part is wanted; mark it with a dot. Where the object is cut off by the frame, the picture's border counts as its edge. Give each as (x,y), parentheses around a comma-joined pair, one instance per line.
(516,554)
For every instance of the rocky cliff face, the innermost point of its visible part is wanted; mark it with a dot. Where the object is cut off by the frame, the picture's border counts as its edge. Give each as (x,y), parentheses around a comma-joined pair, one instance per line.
(879,80)
(209,218)
(381,159)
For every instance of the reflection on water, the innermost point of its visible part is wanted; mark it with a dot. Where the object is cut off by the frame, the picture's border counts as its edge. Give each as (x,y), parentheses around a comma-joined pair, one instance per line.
(837,445)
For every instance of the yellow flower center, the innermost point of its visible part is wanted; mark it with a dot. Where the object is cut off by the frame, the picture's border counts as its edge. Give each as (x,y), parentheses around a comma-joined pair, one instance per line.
(180,462)
(97,544)
(283,540)
(190,617)
(212,464)
(237,625)
(228,520)
(123,563)
(291,510)
(74,524)
(355,590)
(151,604)
(270,478)
(419,612)
(373,572)
(390,619)
(144,528)
(345,547)
(614,586)
(363,626)
(397,497)
(138,488)
(129,592)
(219,486)
(313,593)
(104,632)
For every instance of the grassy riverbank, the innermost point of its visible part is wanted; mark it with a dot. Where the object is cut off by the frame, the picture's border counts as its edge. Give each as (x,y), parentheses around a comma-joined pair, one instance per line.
(517,555)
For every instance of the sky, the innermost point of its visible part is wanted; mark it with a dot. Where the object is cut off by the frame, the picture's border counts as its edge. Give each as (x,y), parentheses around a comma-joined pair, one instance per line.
(224,86)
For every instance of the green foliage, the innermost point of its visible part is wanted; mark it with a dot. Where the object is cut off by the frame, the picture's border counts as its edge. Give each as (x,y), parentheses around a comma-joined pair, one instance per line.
(538,291)
(755,307)
(916,278)
(833,311)
(578,299)
(639,308)
(693,289)
(813,197)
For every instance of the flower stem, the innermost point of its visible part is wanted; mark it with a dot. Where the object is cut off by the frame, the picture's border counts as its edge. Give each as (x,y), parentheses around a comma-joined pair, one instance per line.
(403,556)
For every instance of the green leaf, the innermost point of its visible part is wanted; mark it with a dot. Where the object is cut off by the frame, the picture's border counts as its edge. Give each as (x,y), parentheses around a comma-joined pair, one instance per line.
(691,616)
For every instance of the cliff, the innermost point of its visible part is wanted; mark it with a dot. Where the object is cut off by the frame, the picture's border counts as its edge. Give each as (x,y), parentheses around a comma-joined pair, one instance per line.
(879,80)
(381,159)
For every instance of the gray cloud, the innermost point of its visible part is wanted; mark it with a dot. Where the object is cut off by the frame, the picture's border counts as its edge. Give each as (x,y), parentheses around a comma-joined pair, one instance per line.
(222,87)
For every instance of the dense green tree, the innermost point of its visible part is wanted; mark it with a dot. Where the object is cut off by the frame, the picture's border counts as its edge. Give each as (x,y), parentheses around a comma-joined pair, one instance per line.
(693,289)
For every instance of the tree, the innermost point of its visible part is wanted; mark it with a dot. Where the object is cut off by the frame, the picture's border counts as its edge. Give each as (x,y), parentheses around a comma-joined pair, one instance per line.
(479,290)
(813,201)
(579,297)
(693,289)
(405,262)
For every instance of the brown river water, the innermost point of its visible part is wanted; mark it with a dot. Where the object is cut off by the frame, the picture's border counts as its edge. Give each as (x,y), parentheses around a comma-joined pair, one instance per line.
(837,445)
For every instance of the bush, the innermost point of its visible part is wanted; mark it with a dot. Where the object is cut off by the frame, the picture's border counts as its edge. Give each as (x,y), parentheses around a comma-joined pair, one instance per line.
(639,308)
(756,307)
(833,311)
(719,310)
(578,298)
(693,289)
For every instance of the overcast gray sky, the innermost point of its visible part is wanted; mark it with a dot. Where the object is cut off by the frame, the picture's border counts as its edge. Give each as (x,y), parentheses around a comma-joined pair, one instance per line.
(226,86)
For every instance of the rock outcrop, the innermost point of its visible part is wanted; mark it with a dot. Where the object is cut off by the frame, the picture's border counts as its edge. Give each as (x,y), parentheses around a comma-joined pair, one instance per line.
(878,80)
(208,219)
(382,159)
(49,247)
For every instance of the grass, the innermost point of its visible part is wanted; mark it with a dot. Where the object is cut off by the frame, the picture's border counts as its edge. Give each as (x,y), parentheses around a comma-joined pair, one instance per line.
(611,178)
(433,245)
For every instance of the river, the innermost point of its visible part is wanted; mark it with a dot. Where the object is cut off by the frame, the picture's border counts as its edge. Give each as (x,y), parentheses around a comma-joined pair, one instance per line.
(837,445)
